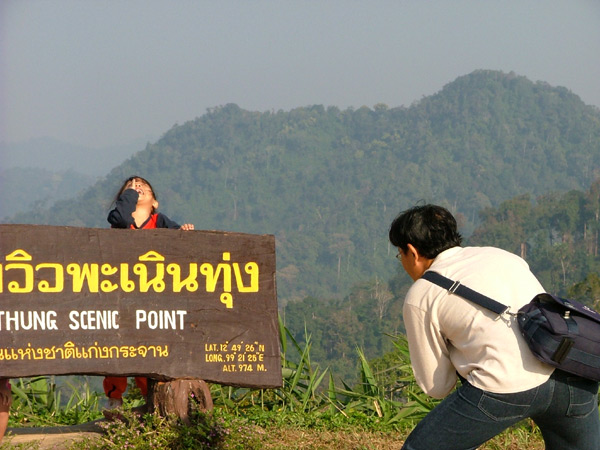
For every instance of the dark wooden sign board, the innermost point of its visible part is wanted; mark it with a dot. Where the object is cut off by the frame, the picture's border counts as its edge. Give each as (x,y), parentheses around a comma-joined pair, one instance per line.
(161,303)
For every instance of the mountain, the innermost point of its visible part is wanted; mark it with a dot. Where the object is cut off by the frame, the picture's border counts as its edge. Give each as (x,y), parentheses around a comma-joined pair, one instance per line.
(36,173)
(327,182)
(24,189)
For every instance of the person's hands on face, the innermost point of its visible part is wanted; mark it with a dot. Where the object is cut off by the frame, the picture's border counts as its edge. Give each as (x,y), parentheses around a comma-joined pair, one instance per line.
(131,185)
(145,194)
(141,188)
(187,227)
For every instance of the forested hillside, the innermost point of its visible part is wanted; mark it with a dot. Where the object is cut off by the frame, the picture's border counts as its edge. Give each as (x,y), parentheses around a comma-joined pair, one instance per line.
(327,182)
(24,189)
(558,234)
(515,160)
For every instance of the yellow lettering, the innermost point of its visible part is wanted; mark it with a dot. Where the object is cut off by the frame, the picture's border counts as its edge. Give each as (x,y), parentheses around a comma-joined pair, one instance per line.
(157,283)
(20,255)
(126,284)
(227,299)
(212,275)
(81,274)
(59,278)
(190,283)
(212,357)
(106,285)
(251,269)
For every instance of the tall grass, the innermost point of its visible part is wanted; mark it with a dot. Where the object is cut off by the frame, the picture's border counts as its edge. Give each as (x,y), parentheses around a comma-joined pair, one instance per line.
(38,401)
(310,397)
(386,399)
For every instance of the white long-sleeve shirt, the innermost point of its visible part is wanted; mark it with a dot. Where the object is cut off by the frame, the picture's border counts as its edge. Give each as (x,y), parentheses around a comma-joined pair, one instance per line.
(448,334)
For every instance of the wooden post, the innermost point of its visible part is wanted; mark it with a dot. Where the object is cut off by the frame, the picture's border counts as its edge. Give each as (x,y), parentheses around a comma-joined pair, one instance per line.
(178,397)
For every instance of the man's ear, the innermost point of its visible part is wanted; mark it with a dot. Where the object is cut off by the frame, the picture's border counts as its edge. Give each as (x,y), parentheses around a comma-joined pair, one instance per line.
(412,252)
(417,264)
(155,204)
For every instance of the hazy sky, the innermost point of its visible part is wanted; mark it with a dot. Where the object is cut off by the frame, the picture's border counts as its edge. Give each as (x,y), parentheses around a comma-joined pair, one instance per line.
(105,72)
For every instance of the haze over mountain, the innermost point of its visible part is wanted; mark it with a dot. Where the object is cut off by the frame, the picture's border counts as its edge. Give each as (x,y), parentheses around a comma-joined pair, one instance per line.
(327,182)
(37,172)
(54,155)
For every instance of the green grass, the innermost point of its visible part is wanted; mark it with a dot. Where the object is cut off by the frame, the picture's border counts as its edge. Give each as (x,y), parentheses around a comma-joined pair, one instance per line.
(308,411)
(39,402)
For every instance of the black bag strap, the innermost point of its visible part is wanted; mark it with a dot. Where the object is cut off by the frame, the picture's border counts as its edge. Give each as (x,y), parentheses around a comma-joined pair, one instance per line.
(454,287)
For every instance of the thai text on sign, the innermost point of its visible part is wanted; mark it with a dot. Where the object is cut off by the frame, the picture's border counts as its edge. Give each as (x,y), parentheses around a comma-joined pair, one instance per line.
(162,303)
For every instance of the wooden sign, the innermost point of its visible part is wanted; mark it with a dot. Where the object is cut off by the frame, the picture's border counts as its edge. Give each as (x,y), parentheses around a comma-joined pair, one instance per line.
(160,303)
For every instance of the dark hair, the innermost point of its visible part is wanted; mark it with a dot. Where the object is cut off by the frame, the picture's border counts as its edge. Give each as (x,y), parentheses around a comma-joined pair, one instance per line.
(431,229)
(129,180)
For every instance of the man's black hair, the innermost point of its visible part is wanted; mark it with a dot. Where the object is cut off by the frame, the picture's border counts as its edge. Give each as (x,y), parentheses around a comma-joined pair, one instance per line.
(431,229)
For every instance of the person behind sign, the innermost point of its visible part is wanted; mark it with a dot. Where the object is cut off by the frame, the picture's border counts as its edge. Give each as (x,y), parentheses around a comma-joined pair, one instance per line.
(5,402)
(136,207)
(502,382)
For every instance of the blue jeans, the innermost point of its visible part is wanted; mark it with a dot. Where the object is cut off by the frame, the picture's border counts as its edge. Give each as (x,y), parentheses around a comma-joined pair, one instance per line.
(565,408)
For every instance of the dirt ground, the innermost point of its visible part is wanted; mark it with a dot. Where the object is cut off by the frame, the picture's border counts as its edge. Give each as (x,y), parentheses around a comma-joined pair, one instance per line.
(52,438)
